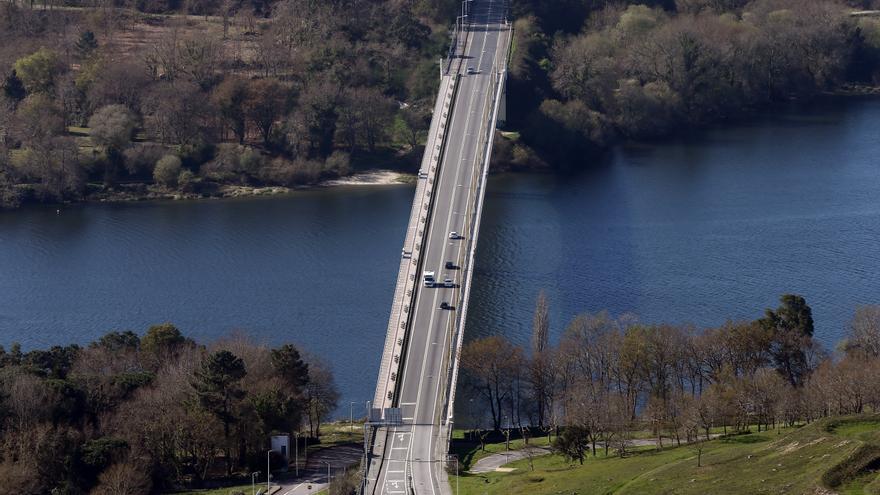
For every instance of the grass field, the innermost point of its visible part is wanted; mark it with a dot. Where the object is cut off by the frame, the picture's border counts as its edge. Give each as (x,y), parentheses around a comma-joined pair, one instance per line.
(787,461)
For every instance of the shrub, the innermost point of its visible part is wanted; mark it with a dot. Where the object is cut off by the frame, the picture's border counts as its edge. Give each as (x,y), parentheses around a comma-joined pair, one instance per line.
(186,180)
(167,170)
(142,158)
(338,163)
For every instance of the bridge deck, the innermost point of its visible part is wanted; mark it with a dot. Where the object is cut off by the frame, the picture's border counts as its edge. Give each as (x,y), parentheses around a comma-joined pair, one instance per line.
(410,458)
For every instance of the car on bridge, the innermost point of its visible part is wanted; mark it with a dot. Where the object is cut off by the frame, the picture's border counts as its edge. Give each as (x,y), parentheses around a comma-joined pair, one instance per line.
(450,265)
(428,278)
(448,282)
(454,235)
(445,305)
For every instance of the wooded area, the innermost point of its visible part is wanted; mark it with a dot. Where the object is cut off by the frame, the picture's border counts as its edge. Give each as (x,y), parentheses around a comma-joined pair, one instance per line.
(587,74)
(610,377)
(136,415)
(110,97)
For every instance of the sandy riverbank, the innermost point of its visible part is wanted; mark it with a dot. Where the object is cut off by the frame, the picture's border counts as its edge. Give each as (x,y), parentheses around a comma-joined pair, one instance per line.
(369,178)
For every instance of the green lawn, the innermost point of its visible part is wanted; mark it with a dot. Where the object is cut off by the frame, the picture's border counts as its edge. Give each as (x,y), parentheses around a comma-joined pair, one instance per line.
(224,491)
(469,452)
(785,461)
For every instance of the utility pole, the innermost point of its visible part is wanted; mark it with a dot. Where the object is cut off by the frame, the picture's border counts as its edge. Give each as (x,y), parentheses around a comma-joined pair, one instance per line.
(268,470)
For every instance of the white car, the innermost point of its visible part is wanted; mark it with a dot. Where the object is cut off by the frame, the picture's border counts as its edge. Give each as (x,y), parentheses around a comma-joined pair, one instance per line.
(471,70)
(447,282)
(454,235)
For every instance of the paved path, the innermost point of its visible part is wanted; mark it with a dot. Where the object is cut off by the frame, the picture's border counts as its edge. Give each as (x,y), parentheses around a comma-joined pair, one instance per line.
(313,478)
(493,462)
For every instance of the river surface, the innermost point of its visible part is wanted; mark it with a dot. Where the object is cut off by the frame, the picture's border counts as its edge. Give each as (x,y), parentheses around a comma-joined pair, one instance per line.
(699,230)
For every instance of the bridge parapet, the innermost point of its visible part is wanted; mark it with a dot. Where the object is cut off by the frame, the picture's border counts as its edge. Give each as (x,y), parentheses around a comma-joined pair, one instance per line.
(475,209)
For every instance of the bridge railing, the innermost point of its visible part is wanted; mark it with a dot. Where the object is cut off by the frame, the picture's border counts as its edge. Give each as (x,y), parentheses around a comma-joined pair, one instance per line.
(481,173)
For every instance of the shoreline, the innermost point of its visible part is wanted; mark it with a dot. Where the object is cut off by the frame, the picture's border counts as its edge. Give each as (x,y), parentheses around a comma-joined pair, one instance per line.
(150,192)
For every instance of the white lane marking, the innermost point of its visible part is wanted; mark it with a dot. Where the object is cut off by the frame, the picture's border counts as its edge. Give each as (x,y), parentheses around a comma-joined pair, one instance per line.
(433,313)
(445,333)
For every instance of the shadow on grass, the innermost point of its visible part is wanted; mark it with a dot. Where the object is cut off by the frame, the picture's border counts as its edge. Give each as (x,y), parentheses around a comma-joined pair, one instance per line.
(744,438)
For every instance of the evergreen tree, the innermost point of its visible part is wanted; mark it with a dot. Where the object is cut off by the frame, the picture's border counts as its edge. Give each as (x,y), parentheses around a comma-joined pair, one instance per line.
(791,326)
(13,88)
(218,391)
(86,44)
(288,363)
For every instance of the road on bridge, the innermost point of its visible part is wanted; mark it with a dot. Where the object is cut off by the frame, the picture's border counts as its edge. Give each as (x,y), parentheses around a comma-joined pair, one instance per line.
(412,450)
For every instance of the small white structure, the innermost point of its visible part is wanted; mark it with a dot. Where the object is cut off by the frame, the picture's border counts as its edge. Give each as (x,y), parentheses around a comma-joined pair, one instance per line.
(281,445)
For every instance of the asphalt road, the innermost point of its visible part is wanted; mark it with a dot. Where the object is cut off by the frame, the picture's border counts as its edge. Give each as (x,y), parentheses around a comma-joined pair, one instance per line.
(410,449)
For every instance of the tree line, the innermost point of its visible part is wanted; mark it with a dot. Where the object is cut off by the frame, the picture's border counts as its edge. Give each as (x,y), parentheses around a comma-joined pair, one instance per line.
(587,74)
(142,414)
(100,97)
(608,377)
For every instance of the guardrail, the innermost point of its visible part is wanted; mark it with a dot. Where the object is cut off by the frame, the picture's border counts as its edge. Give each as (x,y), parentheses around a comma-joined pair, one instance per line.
(499,74)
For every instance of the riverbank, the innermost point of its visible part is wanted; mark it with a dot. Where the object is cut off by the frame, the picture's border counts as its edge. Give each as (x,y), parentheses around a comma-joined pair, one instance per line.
(136,192)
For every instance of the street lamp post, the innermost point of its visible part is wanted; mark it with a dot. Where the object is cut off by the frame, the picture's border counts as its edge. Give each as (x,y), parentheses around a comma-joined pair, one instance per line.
(296,453)
(450,457)
(268,470)
(351,418)
(253,482)
(328,471)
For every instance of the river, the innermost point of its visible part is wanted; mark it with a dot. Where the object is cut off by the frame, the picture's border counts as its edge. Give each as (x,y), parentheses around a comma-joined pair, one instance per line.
(713,226)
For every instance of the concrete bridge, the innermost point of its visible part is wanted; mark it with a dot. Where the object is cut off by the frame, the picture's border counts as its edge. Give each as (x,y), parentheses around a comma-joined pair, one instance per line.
(411,419)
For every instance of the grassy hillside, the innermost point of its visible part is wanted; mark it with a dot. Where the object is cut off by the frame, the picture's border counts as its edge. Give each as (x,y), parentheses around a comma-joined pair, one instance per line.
(840,456)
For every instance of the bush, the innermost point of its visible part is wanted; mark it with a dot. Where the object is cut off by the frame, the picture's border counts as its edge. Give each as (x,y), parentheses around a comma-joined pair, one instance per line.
(291,173)
(186,180)
(142,158)
(338,163)
(167,170)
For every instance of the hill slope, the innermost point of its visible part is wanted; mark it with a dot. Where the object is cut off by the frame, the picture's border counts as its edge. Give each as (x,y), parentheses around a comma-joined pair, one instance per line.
(829,456)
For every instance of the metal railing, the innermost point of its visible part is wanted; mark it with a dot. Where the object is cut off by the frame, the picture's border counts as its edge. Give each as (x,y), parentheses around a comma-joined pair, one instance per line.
(498,74)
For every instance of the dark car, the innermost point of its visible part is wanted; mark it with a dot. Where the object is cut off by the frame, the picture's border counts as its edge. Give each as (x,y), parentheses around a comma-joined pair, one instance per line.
(444,305)
(450,265)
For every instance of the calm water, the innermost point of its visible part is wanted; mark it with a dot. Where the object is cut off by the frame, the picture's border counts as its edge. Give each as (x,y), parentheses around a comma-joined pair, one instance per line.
(698,231)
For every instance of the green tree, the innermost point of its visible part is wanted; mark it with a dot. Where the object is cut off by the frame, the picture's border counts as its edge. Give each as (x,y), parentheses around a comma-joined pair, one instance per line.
(289,365)
(218,391)
(86,44)
(13,88)
(162,342)
(791,327)
(167,170)
(574,442)
(39,70)
(118,341)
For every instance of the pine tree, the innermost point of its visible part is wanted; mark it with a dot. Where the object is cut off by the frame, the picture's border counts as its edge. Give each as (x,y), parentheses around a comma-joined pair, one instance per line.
(13,88)
(218,391)
(86,44)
